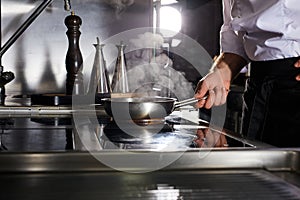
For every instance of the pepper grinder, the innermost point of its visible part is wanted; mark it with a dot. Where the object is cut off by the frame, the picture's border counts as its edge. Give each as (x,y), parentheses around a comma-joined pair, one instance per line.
(99,81)
(74,61)
(119,82)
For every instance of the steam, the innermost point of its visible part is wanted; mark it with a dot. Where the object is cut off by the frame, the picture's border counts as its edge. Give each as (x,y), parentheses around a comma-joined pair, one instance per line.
(119,5)
(150,70)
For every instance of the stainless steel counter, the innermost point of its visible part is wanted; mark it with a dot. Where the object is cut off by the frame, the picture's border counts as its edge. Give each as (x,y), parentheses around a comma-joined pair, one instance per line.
(273,160)
(231,174)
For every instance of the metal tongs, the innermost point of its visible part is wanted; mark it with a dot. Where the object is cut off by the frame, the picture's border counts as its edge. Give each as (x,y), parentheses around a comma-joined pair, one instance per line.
(188,102)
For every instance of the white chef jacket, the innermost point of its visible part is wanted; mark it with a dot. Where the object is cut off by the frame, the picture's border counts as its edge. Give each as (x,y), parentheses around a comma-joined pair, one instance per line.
(261,29)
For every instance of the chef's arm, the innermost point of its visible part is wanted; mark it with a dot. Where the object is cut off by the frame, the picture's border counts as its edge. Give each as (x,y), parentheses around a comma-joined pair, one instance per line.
(226,66)
(229,65)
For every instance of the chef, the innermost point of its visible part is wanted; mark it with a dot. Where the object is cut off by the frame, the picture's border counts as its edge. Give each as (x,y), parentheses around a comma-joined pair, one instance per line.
(265,34)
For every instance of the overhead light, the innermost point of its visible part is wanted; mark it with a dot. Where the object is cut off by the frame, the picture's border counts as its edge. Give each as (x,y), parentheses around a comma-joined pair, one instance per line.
(170,21)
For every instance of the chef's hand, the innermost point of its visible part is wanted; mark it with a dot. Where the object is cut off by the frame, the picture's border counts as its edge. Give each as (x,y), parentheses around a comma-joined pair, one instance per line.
(215,87)
(217,82)
(297,65)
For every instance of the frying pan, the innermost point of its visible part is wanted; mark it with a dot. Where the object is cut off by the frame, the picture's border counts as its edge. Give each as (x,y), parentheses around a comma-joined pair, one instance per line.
(139,108)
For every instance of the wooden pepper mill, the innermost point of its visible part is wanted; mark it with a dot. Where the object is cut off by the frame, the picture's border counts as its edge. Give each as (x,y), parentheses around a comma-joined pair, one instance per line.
(74,82)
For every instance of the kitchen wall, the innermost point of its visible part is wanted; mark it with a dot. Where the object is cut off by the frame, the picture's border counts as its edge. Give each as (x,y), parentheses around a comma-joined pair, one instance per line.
(37,58)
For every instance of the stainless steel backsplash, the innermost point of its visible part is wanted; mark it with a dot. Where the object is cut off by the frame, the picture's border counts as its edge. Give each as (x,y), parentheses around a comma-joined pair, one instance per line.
(37,58)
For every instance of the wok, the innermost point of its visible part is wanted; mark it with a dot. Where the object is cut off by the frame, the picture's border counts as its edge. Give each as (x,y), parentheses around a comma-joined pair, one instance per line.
(139,108)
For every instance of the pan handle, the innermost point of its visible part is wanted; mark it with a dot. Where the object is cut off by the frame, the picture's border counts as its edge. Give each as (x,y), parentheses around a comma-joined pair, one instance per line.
(187,102)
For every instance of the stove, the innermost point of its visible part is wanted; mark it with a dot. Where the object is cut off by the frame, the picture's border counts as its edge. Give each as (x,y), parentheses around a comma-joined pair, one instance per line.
(56,133)
(30,128)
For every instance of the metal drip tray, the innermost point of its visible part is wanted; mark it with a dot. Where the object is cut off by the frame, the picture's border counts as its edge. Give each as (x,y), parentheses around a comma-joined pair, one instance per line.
(206,184)
(248,174)
(234,185)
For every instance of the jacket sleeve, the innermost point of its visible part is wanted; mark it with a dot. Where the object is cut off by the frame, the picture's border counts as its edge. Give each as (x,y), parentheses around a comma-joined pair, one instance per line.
(230,41)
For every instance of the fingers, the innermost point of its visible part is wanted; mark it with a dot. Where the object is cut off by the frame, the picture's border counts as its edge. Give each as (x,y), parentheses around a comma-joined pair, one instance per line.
(201,89)
(225,92)
(220,94)
(200,103)
(213,86)
(215,97)
(297,65)
(210,99)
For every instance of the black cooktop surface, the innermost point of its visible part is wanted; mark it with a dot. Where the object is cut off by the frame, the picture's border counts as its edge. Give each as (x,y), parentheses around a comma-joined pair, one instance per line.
(55,133)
